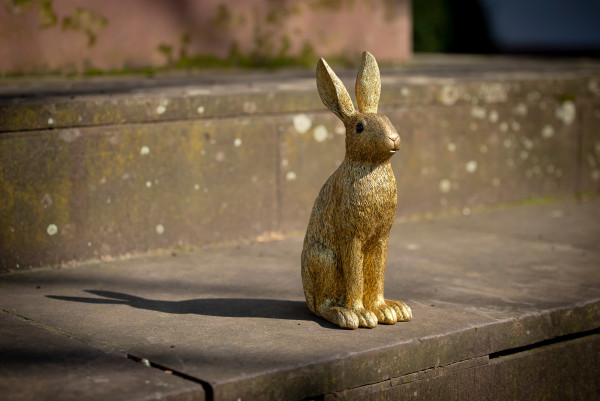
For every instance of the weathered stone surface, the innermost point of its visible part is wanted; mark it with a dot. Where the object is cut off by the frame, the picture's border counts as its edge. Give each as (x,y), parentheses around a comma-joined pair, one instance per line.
(235,316)
(475,132)
(103,192)
(563,371)
(38,364)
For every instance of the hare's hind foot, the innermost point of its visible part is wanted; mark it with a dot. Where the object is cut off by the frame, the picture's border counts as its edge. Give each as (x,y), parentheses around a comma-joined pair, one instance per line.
(348,318)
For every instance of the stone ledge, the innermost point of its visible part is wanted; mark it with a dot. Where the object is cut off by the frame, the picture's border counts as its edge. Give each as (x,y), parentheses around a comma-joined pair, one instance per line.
(131,166)
(234,316)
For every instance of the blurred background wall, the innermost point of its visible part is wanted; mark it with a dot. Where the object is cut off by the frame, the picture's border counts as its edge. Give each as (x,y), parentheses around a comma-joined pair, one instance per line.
(68,36)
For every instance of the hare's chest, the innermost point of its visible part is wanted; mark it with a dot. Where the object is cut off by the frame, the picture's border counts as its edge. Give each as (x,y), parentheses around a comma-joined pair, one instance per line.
(371,201)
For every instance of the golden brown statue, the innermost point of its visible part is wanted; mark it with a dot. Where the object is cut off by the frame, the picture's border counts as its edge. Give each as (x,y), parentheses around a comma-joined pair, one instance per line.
(346,243)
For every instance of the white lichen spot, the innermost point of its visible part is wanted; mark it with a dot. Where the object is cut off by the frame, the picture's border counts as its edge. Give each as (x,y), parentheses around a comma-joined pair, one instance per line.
(424,170)
(46,201)
(483,149)
(510,162)
(591,160)
(144,150)
(160,229)
(200,110)
(515,126)
(220,156)
(445,186)
(162,107)
(448,95)
(478,112)
(290,176)
(302,123)
(471,166)
(496,182)
(340,129)
(52,229)
(405,91)
(547,131)
(507,143)
(520,109)
(527,143)
(69,135)
(503,127)
(466,211)
(148,184)
(594,87)
(285,163)
(249,107)
(50,121)
(451,147)
(524,155)
(566,112)
(493,93)
(493,116)
(320,133)
(196,187)
(413,247)
(237,142)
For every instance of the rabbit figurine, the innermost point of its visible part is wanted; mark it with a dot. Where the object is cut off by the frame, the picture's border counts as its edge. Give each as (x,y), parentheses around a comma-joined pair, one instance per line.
(346,242)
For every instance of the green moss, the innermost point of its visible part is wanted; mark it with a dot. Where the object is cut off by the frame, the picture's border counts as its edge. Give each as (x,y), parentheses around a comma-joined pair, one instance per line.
(46,14)
(87,21)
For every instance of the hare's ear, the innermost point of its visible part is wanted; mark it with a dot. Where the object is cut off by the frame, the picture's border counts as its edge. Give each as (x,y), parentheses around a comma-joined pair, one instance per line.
(368,84)
(333,92)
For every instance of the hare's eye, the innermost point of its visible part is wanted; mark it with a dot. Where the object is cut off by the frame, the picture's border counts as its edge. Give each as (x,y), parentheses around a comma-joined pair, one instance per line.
(359,128)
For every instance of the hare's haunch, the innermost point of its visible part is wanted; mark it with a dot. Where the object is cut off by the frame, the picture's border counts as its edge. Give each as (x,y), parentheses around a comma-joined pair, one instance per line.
(346,243)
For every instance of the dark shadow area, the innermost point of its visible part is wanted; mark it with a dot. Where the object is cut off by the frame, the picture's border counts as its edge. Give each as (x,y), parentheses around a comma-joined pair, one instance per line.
(224,307)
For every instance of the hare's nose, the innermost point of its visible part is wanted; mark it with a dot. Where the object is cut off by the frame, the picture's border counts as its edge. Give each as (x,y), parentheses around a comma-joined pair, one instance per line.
(395,139)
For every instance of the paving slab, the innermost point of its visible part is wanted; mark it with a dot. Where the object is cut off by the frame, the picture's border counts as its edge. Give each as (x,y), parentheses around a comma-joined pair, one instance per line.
(38,364)
(234,316)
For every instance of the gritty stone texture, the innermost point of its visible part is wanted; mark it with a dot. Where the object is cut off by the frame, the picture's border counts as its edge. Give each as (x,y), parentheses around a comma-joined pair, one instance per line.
(39,364)
(93,168)
(568,370)
(235,316)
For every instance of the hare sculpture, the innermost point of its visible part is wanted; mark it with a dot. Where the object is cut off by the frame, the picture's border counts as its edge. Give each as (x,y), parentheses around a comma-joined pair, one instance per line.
(346,243)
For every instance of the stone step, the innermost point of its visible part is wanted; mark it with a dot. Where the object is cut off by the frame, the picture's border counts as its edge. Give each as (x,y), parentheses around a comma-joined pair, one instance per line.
(108,167)
(506,305)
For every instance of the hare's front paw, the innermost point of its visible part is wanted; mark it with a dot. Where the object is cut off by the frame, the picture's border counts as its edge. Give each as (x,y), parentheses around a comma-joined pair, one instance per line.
(390,312)
(349,318)
(403,312)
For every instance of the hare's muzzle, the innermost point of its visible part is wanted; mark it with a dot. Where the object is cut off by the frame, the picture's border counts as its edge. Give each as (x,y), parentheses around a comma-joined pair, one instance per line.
(395,142)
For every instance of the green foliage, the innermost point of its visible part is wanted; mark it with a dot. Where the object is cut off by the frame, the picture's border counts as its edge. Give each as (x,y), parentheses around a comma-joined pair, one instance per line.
(432,25)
